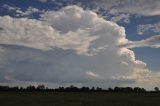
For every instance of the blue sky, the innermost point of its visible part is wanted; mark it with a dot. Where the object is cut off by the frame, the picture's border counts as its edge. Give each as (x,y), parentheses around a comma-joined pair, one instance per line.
(83,42)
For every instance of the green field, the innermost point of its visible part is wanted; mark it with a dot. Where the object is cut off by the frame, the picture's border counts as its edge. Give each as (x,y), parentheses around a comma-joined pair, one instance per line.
(78,99)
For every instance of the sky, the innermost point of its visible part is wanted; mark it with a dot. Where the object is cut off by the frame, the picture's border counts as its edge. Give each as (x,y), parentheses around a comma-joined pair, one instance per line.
(103,43)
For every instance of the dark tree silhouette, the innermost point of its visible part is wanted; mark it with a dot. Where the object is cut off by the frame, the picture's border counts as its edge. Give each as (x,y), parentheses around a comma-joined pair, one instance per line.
(93,89)
(156,89)
(41,87)
(73,88)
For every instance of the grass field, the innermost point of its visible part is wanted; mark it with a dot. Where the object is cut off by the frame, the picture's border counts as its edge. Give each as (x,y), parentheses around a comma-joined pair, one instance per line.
(78,99)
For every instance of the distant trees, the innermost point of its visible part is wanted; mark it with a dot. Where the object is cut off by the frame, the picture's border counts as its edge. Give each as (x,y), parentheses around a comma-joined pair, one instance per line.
(156,89)
(7,88)
(73,88)
(137,89)
(41,87)
(30,88)
(128,89)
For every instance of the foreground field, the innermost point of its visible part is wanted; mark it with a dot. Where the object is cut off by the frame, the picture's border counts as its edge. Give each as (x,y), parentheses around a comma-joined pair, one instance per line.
(78,99)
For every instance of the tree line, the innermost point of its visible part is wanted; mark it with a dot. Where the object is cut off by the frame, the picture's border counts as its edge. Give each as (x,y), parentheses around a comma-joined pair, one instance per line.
(72,88)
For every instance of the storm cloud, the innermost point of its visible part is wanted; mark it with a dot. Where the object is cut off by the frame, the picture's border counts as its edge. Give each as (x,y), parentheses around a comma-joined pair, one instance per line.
(71,45)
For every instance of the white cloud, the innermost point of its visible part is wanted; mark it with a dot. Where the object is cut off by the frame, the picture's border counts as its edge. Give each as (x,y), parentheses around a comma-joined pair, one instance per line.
(92,74)
(141,7)
(3,52)
(19,12)
(71,18)
(39,35)
(29,11)
(121,17)
(141,78)
(59,34)
(142,29)
(9,7)
(43,0)
(153,42)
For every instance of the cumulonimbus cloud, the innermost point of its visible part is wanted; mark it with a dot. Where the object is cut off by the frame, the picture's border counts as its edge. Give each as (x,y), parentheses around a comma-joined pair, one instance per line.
(63,45)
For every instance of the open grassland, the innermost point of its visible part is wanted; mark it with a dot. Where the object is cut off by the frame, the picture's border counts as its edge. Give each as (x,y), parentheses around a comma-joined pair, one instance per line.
(78,99)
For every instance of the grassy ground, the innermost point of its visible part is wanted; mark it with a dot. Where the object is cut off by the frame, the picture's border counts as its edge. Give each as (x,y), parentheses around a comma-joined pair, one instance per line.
(78,99)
